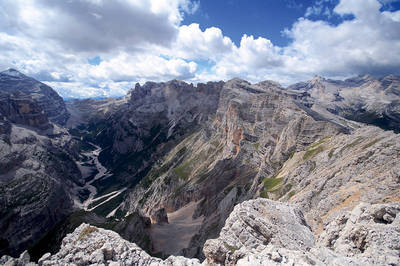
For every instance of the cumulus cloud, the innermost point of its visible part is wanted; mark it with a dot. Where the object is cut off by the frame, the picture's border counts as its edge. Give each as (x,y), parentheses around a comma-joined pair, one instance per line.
(141,40)
(95,26)
(193,43)
(367,44)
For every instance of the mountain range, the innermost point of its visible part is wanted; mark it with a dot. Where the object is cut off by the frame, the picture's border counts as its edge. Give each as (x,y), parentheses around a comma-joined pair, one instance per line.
(219,172)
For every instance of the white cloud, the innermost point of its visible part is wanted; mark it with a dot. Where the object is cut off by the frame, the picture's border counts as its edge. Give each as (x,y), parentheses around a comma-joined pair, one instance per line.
(370,43)
(141,40)
(193,43)
(367,44)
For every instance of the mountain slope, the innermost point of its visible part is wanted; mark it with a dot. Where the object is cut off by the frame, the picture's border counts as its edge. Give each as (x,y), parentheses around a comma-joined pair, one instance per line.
(365,98)
(12,81)
(173,160)
(37,166)
(253,131)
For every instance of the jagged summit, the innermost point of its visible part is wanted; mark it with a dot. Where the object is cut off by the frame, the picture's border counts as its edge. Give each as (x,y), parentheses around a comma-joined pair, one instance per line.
(12,73)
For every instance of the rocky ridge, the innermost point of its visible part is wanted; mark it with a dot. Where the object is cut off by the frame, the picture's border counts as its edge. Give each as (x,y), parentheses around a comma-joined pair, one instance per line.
(364,98)
(257,232)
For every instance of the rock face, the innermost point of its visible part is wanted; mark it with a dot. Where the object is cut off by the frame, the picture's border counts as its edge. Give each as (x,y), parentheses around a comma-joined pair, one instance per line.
(21,109)
(36,175)
(154,118)
(160,217)
(37,169)
(265,142)
(223,163)
(12,81)
(193,153)
(371,231)
(264,232)
(334,174)
(258,232)
(257,223)
(92,245)
(365,98)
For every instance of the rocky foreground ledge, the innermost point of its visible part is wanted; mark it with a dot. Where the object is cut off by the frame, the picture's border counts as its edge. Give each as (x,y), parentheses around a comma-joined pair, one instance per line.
(258,232)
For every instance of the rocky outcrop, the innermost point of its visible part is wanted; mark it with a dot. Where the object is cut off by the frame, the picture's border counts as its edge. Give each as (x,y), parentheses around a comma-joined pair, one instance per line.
(177,149)
(83,113)
(159,217)
(264,232)
(368,231)
(92,245)
(12,81)
(258,232)
(255,224)
(153,119)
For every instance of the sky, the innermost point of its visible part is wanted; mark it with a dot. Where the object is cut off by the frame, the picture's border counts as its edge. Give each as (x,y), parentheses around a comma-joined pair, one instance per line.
(101,48)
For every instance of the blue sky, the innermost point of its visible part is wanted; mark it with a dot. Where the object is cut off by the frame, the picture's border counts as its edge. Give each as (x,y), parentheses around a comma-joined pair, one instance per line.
(92,48)
(265,18)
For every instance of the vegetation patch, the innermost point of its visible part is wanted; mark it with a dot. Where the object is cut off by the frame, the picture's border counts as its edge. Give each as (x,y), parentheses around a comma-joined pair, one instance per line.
(230,248)
(312,152)
(264,194)
(271,183)
(372,143)
(105,208)
(179,190)
(354,143)
(183,171)
(215,143)
(256,145)
(331,152)
(155,173)
(313,166)
(288,187)
(318,143)
(291,193)
(291,155)
(87,231)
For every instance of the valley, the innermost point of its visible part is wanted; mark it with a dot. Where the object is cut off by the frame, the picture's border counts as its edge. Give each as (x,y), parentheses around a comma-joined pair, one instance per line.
(92,170)
(203,171)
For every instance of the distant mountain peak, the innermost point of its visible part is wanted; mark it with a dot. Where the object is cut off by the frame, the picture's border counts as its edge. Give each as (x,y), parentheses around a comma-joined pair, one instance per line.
(13,73)
(317,78)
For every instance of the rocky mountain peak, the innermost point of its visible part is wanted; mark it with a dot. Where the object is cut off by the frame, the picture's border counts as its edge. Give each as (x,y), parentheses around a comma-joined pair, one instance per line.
(12,81)
(237,82)
(11,72)
(317,79)
(269,84)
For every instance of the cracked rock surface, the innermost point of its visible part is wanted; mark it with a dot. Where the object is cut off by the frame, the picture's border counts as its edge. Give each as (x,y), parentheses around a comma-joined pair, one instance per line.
(258,232)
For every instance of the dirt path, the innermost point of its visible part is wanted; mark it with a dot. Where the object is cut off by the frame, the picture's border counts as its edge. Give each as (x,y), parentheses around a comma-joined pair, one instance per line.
(173,237)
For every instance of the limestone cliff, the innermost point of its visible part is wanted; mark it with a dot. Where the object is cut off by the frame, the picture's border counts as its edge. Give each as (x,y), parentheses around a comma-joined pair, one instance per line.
(12,81)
